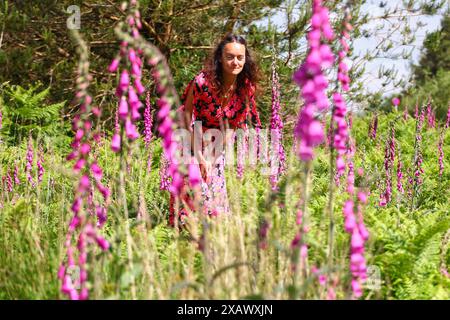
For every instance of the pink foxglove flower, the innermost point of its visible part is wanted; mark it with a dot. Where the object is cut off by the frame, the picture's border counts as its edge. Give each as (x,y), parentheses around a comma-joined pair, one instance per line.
(354,225)
(441,154)
(373,127)
(29,164)
(130,87)
(40,165)
(389,156)
(195,177)
(114,64)
(276,127)
(9,182)
(16,175)
(148,124)
(82,232)
(115,143)
(313,83)
(241,153)
(399,176)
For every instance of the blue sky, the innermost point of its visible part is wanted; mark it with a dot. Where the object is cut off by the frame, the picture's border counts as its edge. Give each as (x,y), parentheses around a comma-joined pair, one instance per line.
(431,23)
(362,45)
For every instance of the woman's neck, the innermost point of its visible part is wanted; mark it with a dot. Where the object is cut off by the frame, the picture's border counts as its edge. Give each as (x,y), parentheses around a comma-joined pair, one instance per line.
(229,79)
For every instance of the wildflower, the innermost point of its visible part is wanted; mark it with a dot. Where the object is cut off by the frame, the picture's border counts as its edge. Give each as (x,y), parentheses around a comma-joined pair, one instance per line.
(39,164)
(373,127)
(148,123)
(80,227)
(399,176)
(389,156)
(276,126)
(241,147)
(29,164)
(130,87)
(114,64)
(194,174)
(115,143)
(16,175)
(441,154)
(313,83)
(9,182)
(340,132)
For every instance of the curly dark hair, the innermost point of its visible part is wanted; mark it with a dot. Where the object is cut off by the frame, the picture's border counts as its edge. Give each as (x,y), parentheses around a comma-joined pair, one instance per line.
(213,65)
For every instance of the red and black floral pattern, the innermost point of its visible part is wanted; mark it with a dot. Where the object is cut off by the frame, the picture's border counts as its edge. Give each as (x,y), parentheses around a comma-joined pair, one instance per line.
(240,111)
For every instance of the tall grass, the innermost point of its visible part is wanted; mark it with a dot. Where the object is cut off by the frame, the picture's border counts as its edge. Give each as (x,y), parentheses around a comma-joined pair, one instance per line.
(406,247)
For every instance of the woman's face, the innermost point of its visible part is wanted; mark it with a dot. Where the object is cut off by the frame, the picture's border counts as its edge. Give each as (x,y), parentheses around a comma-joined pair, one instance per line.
(233,58)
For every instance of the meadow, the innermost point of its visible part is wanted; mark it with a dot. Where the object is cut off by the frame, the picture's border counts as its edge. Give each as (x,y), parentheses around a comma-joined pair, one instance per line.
(358,210)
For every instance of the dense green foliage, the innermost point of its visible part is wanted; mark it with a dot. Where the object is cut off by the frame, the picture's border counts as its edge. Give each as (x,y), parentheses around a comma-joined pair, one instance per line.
(407,247)
(25,112)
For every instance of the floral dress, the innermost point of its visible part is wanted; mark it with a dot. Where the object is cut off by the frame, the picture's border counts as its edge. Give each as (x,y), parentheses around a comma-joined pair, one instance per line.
(239,112)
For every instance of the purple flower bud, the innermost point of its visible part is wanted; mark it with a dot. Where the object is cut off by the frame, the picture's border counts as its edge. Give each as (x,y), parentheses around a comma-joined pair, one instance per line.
(135,114)
(115,143)
(130,130)
(315,133)
(101,216)
(132,55)
(124,80)
(357,240)
(79,134)
(103,243)
(132,97)
(362,197)
(84,294)
(306,152)
(396,101)
(177,183)
(114,64)
(84,184)
(194,174)
(85,148)
(138,85)
(123,108)
(61,272)
(76,206)
(67,286)
(79,165)
(135,70)
(96,171)
(356,287)
(103,190)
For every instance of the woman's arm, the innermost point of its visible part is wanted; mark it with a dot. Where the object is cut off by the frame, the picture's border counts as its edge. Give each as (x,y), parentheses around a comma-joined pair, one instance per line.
(188,109)
(205,167)
(188,106)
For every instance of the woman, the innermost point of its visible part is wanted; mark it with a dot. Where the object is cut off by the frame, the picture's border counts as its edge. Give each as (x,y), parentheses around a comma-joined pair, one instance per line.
(221,96)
